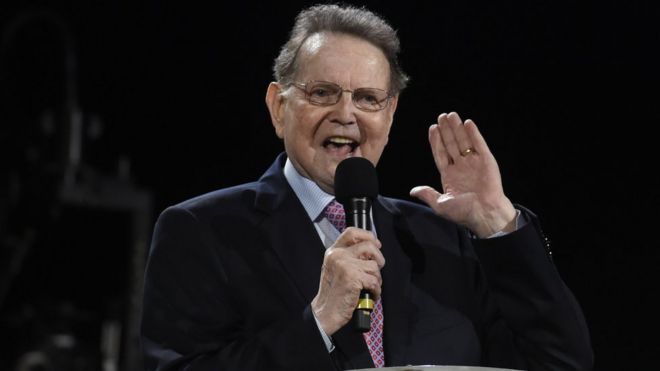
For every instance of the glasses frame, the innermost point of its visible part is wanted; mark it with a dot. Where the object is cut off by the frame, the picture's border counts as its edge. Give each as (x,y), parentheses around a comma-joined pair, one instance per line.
(304,86)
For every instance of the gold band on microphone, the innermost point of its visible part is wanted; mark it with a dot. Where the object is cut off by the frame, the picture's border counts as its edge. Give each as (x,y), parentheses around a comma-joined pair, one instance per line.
(366,304)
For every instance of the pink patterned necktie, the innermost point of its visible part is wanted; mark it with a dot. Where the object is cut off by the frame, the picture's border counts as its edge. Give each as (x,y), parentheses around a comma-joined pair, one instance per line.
(374,338)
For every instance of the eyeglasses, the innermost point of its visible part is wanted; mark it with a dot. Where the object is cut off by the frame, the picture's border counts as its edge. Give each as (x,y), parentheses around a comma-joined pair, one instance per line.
(323,93)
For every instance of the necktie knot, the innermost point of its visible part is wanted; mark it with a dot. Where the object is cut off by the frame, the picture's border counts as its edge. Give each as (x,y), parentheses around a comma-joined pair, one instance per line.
(335,214)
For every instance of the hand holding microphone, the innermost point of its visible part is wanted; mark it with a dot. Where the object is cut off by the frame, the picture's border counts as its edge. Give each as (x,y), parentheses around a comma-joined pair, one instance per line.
(356,185)
(351,267)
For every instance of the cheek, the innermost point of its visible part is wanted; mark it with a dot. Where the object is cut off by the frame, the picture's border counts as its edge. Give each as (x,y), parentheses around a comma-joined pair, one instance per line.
(306,124)
(378,136)
(295,123)
(380,132)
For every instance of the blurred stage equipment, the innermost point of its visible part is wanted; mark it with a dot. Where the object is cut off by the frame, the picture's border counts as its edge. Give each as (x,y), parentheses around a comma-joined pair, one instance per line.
(50,199)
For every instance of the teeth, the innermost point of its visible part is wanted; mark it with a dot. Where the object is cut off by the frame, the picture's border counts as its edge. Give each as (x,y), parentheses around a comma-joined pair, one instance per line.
(340,140)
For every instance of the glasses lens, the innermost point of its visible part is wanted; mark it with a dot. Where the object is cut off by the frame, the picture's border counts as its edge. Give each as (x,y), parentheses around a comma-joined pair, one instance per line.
(327,93)
(370,99)
(324,93)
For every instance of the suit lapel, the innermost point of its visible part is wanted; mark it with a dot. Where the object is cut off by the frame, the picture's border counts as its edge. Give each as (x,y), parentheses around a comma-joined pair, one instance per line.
(289,231)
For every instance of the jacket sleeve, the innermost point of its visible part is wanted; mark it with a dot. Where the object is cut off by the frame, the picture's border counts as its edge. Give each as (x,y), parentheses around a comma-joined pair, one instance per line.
(193,318)
(543,320)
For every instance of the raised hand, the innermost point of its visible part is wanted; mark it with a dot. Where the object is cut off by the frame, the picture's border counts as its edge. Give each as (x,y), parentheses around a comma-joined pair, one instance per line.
(472,192)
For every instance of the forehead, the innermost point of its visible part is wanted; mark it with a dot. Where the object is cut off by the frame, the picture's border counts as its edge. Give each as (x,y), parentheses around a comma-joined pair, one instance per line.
(347,60)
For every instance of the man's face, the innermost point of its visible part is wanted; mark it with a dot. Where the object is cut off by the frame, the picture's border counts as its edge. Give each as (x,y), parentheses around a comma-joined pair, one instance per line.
(317,138)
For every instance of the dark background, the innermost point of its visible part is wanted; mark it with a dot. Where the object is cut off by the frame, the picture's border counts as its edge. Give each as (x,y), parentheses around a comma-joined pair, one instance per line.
(172,103)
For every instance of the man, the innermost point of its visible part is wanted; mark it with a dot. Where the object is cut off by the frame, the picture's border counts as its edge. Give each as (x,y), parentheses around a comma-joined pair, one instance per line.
(257,276)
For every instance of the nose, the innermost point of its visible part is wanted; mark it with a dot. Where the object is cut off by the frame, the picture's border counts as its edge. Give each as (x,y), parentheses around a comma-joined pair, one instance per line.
(344,111)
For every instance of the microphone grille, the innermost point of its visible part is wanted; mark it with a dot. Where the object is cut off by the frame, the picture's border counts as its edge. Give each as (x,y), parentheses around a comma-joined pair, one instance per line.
(355,177)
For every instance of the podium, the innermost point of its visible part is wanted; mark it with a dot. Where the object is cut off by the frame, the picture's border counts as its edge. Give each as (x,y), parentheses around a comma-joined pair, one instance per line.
(436,368)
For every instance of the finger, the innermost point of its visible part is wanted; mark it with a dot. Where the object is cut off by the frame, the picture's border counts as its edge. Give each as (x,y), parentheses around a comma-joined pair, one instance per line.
(448,138)
(344,263)
(463,139)
(425,193)
(351,272)
(371,267)
(476,138)
(438,149)
(366,250)
(352,235)
(370,277)
(372,284)
(431,197)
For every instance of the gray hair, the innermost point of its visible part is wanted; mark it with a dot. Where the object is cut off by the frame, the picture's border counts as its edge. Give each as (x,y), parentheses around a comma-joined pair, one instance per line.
(358,22)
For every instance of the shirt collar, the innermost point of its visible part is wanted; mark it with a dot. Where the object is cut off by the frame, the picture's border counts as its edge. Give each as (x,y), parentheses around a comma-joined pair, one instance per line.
(312,197)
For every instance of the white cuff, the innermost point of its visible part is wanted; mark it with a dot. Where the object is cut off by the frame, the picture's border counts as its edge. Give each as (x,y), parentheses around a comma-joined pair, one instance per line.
(326,339)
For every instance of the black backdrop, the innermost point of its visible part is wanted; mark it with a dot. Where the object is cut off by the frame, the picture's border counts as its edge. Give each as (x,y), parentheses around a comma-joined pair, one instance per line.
(566,95)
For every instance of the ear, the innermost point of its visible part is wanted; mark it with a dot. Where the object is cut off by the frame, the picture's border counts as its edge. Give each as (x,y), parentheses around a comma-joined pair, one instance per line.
(275,103)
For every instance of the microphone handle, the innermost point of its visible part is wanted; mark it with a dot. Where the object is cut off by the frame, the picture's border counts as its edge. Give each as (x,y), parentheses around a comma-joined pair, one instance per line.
(362,314)
(357,215)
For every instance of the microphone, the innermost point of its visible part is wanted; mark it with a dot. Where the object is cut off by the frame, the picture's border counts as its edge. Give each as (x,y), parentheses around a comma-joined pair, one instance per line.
(356,185)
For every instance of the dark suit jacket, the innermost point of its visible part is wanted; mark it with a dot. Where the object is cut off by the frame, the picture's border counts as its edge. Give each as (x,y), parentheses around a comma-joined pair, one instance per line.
(231,275)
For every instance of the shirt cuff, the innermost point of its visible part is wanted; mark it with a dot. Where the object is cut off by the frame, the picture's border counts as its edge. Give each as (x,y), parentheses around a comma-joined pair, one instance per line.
(326,339)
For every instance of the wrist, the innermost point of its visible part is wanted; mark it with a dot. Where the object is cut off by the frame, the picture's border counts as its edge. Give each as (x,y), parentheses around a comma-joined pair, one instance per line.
(498,219)
(324,318)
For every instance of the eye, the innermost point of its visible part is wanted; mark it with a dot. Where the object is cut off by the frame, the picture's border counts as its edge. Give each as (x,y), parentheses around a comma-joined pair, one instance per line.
(320,91)
(323,92)
(370,97)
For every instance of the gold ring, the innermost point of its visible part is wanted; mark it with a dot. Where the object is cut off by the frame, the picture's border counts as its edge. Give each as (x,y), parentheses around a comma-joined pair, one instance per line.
(468,151)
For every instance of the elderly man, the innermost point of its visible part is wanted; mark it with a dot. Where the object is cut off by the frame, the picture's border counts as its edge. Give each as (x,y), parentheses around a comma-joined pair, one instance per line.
(259,277)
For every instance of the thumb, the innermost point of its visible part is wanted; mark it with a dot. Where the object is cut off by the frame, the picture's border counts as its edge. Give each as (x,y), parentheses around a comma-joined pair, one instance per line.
(430,196)
(425,193)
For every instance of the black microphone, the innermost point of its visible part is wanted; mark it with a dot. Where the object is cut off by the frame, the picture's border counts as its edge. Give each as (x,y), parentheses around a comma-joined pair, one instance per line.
(356,185)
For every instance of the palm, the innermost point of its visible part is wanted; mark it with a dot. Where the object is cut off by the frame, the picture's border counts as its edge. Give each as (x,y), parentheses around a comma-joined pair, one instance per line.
(471,184)
(467,184)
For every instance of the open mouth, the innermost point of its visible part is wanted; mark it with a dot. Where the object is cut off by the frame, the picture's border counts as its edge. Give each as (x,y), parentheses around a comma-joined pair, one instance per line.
(340,143)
